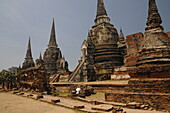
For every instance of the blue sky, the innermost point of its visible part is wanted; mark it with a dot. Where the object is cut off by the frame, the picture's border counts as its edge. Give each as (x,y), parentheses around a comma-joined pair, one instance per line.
(20,19)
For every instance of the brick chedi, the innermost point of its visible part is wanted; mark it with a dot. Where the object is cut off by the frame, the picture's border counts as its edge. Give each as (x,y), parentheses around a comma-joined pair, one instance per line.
(148,64)
(100,52)
(153,58)
(105,39)
(53,60)
(28,62)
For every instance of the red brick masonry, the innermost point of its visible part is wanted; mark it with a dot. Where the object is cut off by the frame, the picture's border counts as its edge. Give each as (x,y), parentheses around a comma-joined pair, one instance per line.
(157,101)
(154,92)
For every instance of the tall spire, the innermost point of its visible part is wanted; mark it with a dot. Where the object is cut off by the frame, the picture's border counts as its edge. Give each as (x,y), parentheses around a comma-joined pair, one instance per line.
(29,53)
(154,18)
(101,11)
(28,62)
(40,57)
(52,42)
(101,15)
(121,36)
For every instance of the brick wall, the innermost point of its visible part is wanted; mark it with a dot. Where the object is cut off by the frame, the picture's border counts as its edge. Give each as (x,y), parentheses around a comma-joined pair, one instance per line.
(133,42)
(133,46)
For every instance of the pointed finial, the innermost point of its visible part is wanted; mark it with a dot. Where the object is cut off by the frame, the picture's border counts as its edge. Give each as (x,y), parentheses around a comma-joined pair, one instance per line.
(101,16)
(120,29)
(101,11)
(28,62)
(154,18)
(40,56)
(29,43)
(52,42)
(121,36)
(29,53)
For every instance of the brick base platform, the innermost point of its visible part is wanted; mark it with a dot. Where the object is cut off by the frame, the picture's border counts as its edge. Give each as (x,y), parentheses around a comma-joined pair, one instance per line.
(149,85)
(104,86)
(152,91)
(157,101)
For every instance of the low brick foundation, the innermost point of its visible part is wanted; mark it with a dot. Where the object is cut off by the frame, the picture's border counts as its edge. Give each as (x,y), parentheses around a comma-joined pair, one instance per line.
(97,87)
(157,101)
(150,85)
(152,91)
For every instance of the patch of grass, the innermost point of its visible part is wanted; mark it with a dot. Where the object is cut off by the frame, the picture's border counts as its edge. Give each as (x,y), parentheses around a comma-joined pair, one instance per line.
(62,92)
(99,96)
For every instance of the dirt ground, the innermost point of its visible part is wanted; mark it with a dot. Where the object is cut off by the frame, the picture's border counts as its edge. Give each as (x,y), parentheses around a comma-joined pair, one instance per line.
(10,103)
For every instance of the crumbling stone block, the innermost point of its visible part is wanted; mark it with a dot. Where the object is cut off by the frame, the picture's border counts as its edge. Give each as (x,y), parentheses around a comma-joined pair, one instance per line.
(118,110)
(95,102)
(20,93)
(39,96)
(15,92)
(30,95)
(134,105)
(103,107)
(55,100)
(79,107)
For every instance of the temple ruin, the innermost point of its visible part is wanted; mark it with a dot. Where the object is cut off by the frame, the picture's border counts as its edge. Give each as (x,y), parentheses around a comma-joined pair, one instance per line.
(114,73)
(53,61)
(37,76)
(33,79)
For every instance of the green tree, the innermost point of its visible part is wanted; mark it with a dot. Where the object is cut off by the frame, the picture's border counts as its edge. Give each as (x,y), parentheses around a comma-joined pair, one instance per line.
(2,81)
(7,79)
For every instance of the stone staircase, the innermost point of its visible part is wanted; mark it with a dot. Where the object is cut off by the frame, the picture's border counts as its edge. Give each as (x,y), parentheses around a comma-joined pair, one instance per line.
(75,72)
